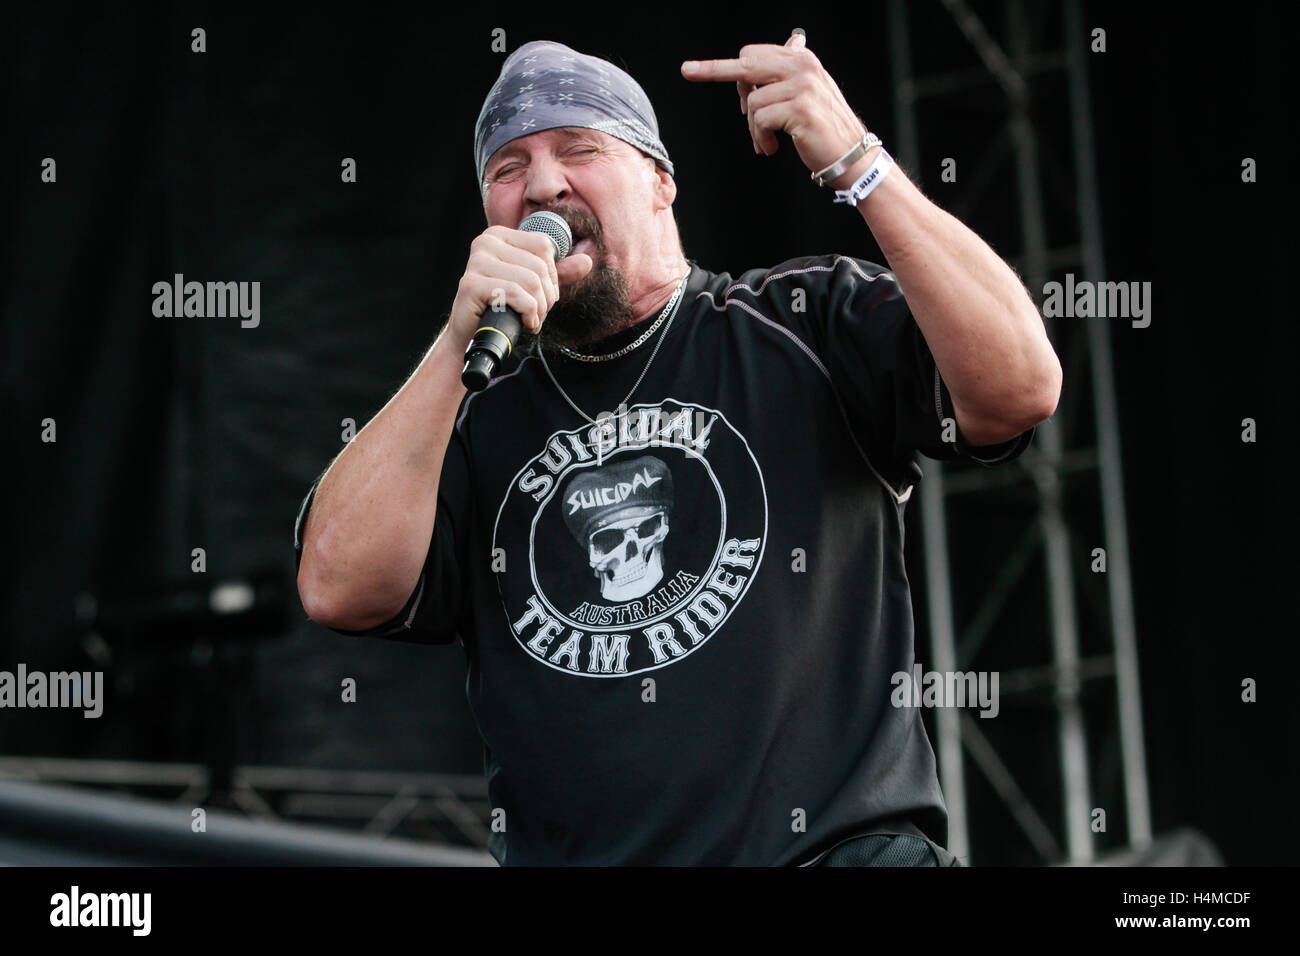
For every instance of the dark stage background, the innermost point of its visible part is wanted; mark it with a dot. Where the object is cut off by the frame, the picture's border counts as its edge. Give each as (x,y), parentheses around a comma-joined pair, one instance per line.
(183,433)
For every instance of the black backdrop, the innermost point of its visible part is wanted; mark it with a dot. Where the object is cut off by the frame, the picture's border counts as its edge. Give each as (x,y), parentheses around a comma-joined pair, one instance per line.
(183,433)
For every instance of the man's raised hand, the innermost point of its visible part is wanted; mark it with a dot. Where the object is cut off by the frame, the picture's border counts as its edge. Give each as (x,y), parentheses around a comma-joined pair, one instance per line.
(786,88)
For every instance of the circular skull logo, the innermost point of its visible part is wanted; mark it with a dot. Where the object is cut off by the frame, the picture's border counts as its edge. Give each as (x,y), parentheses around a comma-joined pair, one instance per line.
(639,540)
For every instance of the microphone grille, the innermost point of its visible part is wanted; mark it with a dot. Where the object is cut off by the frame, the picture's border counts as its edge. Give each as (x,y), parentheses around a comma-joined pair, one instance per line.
(552,225)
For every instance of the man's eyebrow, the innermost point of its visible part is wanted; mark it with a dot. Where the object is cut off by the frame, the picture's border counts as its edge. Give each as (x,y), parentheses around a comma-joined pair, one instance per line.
(508,151)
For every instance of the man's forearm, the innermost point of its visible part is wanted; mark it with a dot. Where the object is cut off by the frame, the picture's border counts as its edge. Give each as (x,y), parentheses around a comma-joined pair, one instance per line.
(368,530)
(982,327)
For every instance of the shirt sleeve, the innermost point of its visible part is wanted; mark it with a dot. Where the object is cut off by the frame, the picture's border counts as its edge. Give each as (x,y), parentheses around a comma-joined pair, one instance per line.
(880,365)
(434,613)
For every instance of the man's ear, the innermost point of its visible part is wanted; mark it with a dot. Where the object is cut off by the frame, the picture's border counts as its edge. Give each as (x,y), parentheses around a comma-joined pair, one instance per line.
(665,187)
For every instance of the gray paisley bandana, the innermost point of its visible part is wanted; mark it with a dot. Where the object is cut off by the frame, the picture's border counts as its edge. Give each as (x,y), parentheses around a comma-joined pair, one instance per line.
(544,85)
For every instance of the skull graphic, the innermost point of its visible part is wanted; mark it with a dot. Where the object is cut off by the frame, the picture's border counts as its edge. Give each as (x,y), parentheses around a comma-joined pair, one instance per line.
(626,556)
(619,515)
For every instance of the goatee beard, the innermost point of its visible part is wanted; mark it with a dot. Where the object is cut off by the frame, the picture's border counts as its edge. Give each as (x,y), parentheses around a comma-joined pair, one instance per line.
(597,305)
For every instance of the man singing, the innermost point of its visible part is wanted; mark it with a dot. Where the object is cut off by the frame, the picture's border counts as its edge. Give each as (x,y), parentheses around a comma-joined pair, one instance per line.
(669,534)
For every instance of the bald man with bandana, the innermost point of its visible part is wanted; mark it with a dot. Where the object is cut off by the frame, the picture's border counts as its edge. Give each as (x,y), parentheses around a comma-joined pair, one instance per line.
(669,533)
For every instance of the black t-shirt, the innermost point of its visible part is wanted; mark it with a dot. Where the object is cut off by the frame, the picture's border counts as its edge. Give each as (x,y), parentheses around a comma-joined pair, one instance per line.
(681,627)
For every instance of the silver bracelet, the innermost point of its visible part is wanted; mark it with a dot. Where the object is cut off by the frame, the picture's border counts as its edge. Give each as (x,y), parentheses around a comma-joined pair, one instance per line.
(875,174)
(841,165)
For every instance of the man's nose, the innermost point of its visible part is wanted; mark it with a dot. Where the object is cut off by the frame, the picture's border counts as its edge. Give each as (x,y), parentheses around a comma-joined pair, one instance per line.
(547,183)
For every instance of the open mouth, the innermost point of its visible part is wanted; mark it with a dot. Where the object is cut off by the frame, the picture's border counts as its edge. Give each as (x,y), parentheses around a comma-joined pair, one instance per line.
(584,229)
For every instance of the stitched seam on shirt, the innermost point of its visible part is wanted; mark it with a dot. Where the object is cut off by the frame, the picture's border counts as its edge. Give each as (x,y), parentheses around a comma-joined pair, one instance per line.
(465,408)
(803,347)
(419,598)
(302,513)
(792,272)
(938,404)
(404,625)
(938,400)
(993,461)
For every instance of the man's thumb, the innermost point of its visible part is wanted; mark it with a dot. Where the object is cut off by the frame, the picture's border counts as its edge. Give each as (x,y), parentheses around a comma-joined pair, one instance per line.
(574,267)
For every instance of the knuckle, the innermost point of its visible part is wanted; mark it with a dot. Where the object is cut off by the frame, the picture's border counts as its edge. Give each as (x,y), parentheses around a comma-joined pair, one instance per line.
(527,293)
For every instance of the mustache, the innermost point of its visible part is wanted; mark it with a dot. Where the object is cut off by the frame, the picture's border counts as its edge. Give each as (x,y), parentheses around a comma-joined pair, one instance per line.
(582,224)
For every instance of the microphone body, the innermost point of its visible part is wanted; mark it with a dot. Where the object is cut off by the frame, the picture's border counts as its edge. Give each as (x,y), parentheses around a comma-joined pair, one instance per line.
(499,328)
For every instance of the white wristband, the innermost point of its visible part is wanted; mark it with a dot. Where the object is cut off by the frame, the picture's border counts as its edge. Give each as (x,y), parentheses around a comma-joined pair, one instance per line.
(868,181)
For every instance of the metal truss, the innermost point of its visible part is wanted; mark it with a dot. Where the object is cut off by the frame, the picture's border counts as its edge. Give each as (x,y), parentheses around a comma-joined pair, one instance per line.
(445,809)
(1017,84)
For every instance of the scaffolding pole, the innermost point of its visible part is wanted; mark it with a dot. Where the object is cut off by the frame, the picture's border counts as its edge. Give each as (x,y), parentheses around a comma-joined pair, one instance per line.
(1119,579)
(1048,465)
(943,641)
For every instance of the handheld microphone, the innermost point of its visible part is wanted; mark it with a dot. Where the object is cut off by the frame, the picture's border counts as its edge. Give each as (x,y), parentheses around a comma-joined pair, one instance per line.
(495,337)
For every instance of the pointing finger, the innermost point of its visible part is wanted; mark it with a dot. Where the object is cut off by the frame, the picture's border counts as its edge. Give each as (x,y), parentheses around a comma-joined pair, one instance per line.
(753,71)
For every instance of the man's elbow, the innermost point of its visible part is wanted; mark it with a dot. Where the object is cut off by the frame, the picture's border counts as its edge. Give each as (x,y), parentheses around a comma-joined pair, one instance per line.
(316,600)
(1038,389)
(1035,402)
(333,606)
(1044,395)
(320,601)
(1014,410)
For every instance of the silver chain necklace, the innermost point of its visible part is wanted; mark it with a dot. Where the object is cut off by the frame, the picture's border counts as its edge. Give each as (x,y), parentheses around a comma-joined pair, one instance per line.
(583,357)
(669,311)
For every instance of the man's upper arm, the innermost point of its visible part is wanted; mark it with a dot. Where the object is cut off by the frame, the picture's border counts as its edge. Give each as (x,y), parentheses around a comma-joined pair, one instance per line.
(432,614)
(894,398)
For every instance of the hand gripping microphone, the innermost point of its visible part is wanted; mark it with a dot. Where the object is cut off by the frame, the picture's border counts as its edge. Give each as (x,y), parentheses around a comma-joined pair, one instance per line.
(499,328)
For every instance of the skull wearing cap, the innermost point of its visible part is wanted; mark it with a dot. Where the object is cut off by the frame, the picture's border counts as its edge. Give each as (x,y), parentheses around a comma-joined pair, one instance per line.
(619,514)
